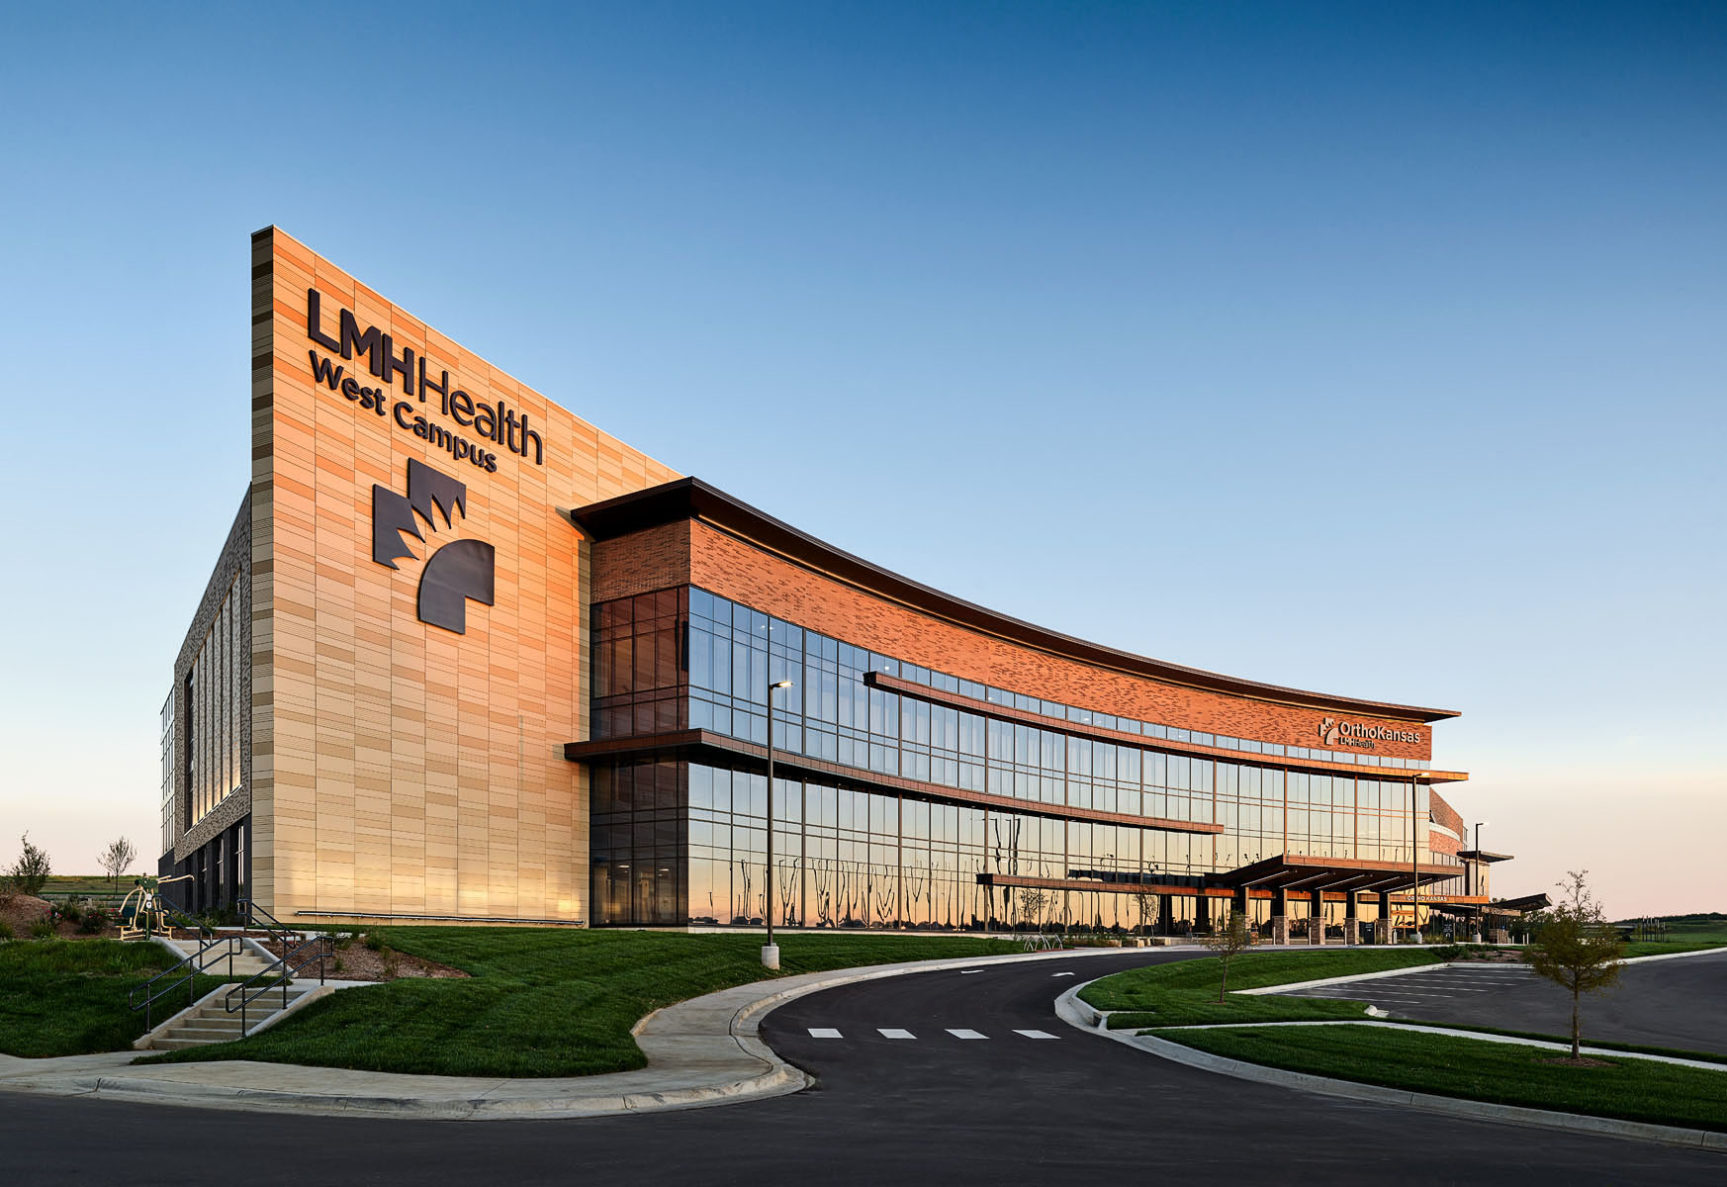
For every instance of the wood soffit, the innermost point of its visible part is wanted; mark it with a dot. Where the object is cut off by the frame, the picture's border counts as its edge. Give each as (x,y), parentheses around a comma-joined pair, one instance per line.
(691,498)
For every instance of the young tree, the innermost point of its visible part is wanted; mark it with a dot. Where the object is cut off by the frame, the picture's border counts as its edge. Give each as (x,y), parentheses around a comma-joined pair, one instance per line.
(1032,904)
(1226,941)
(29,874)
(117,857)
(1577,948)
(1145,908)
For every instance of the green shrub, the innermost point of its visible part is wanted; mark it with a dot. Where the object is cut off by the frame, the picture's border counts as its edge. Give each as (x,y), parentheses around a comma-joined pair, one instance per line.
(91,920)
(5,931)
(29,874)
(376,942)
(42,929)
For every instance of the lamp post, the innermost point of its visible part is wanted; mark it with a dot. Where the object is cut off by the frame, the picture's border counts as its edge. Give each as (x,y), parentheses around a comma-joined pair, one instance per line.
(771,950)
(1414,861)
(1475,881)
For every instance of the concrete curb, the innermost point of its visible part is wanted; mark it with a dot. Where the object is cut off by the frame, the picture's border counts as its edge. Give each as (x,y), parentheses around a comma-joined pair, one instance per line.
(1287,986)
(1452,964)
(702,1052)
(1722,951)
(1079,1015)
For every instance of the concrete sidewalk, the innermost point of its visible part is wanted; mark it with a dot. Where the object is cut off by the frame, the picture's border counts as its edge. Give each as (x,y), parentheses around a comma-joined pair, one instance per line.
(701,1052)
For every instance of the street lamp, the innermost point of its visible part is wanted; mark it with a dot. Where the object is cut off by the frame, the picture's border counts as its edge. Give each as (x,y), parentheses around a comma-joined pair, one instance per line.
(1414,860)
(771,950)
(1475,879)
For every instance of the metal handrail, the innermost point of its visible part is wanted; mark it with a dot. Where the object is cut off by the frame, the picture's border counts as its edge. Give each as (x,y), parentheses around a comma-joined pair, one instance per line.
(178,918)
(256,914)
(185,974)
(278,974)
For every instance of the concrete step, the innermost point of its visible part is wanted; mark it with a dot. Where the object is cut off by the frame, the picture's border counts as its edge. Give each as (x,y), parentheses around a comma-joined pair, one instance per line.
(200,1034)
(201,1031)
(177,1044)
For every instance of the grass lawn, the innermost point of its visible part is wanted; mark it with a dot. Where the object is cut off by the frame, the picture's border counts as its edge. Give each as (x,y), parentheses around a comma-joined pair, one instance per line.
(1185,993)
(1633,1089)
(545,1003)
(1690,943)
(1685,933)
(69,997)
(86,884)
(1677,1052)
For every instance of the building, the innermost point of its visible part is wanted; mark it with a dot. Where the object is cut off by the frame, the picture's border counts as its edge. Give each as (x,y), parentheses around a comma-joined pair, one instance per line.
(464,657)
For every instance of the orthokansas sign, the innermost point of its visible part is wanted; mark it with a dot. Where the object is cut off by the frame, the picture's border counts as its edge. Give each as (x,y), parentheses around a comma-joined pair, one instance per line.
(493,424)
(1353,733)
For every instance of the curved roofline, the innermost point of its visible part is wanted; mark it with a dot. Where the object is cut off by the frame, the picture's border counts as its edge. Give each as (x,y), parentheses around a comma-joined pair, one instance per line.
(691,498)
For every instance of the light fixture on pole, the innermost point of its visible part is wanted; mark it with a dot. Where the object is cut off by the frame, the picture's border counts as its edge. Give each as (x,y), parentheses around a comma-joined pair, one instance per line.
(771,950)
(1414,860)
(1476,881)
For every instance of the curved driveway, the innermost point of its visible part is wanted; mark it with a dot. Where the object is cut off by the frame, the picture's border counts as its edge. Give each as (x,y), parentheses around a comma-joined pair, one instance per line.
(1006,1108)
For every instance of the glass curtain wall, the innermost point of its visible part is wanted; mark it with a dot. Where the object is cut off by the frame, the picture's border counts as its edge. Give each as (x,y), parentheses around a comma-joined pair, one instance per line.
(168,751)
(212,692)
(685,658)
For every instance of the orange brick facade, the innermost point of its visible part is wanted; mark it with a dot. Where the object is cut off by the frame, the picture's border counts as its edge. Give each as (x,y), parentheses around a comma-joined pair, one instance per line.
(1445,815)
(691,551)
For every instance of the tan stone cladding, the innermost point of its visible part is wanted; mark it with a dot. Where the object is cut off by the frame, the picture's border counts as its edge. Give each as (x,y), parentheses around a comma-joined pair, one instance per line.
(399,767)
(720,562)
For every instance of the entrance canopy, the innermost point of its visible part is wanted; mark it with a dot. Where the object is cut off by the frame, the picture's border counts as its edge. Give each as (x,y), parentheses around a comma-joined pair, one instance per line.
(1299,872)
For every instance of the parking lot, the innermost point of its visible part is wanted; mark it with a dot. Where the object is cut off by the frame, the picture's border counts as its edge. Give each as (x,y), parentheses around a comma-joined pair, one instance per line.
(1662,1003)
(1410,994)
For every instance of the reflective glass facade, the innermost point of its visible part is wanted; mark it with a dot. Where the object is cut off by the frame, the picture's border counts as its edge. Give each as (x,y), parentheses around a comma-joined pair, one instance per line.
(168,752)
(212,690)
(677,840)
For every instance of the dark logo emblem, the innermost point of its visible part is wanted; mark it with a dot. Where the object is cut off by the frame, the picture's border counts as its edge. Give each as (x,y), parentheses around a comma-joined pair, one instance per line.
(1328,731)
(460,571)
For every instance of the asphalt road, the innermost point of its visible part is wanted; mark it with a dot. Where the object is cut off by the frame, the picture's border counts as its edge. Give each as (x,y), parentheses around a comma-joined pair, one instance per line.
(1661,1003)
(1003,1109)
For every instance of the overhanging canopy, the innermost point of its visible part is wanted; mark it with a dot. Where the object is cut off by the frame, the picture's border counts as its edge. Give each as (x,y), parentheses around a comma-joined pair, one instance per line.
(1300,872)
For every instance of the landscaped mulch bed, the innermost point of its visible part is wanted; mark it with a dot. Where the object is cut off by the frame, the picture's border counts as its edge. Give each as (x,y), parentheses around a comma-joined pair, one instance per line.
(21,911)
(356,962)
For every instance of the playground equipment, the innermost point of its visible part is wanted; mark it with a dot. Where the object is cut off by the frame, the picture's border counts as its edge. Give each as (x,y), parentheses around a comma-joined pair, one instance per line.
(142,911)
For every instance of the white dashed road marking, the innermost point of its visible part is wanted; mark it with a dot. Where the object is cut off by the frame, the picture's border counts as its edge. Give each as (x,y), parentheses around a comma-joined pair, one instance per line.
(888,1032)
(966,1034)
(824,1032)
(969,972)
(1068,974)
(1035,1034)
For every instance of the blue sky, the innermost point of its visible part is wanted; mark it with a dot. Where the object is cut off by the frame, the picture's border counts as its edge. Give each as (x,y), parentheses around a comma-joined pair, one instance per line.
(1363,348)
